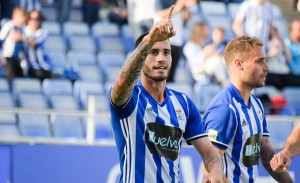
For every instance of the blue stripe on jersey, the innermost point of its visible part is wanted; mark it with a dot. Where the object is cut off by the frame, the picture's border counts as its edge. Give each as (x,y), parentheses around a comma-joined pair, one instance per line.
(140,159)
(236,149)
(171,173)
(157,161)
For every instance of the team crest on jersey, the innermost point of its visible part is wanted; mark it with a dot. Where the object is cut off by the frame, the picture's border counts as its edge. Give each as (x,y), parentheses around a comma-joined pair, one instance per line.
(179,116)
(259,113)
(212,134)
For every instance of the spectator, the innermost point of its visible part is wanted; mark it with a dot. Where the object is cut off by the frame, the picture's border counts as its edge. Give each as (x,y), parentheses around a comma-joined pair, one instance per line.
(118,14)
(206,61)
(277,57)
(293,44)
(91,11)
(255,17)
(178,21)
(36,59)
(63,8)
(140,16)
(12,44)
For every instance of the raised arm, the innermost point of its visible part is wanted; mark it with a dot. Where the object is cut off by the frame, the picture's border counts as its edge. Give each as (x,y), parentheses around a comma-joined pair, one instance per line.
(123,87)
(266,154)
(281,161)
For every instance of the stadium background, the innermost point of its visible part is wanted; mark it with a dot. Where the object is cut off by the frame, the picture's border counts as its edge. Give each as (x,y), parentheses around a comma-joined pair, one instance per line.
(40,149)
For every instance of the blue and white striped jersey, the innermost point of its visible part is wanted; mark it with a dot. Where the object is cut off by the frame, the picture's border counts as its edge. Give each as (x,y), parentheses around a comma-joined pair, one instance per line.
(149,135)
(237,129)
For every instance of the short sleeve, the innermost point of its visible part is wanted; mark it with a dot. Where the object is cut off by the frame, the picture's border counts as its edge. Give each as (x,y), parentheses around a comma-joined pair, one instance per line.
(195,126)
(220,124)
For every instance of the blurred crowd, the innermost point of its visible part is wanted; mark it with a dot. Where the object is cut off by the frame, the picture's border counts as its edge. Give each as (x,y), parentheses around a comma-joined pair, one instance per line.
(201,35)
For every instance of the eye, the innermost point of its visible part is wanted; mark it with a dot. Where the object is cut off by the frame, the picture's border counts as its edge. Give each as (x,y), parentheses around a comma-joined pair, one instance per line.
(166,53)
(154,52)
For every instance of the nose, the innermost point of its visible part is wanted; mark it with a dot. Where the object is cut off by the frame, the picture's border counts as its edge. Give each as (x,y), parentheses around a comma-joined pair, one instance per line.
(161,57)
(267,68)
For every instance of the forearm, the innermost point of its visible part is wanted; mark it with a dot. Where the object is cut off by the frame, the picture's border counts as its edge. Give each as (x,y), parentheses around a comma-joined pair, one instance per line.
(130,71)
(292,144)
(266,154)
(213,163)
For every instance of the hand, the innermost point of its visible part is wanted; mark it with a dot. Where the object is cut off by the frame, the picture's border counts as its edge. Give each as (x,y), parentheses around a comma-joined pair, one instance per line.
(162,30)
(209,178)
(280,162)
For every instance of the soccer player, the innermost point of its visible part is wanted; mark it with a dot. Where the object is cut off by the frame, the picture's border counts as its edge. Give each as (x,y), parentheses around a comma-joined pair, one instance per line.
(282,161)
(150,120)
(235,119)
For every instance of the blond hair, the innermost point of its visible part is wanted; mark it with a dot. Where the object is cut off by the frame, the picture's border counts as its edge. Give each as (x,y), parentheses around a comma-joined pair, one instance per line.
(239,47)
(19,10)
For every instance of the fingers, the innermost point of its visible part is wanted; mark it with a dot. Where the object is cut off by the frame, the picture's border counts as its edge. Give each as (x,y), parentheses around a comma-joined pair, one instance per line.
(280,163)
(170,12)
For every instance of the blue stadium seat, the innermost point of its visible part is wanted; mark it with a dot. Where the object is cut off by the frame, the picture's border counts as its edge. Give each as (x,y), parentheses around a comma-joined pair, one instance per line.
(279,131)
(111,59)
(49,13)
(75,28)
(213,8)
(82,89)
(4,86)
(82,43)
(33,100)
(105,44)
(100,29)
(111,73)
(52,27)
(90,73)
(6,101)
(26,85)
(34,125)
(204,94)
(9,130)
(76,58)
(291,95)
(58,61)
(64,102)
(76,15)
(67,127)
(57,87)
(55,43)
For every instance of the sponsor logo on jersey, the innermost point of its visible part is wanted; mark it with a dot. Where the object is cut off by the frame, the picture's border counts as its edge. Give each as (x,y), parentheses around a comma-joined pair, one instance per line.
(251,150)
(163,140)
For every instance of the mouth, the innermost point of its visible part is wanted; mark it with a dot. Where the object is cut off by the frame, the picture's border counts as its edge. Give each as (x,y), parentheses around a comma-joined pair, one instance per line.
(160,67)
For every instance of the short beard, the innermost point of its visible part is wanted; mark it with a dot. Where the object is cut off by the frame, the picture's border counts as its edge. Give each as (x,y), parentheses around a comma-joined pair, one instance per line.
(157,79)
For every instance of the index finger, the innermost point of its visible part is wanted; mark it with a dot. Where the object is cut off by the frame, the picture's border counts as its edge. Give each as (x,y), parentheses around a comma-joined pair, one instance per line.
(170,12)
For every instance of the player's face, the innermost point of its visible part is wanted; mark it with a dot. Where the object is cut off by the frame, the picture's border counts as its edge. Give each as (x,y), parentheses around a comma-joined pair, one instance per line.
(158,62)
(255,68)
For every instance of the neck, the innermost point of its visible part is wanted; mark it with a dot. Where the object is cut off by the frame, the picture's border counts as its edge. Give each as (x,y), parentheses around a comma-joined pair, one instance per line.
(244,90)
(155,88)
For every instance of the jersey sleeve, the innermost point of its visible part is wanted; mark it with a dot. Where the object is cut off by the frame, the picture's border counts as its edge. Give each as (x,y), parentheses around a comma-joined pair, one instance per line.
(195,126)
(220,125)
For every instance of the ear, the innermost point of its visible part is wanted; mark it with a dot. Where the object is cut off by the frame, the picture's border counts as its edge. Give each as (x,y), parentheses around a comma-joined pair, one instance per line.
(239,64)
